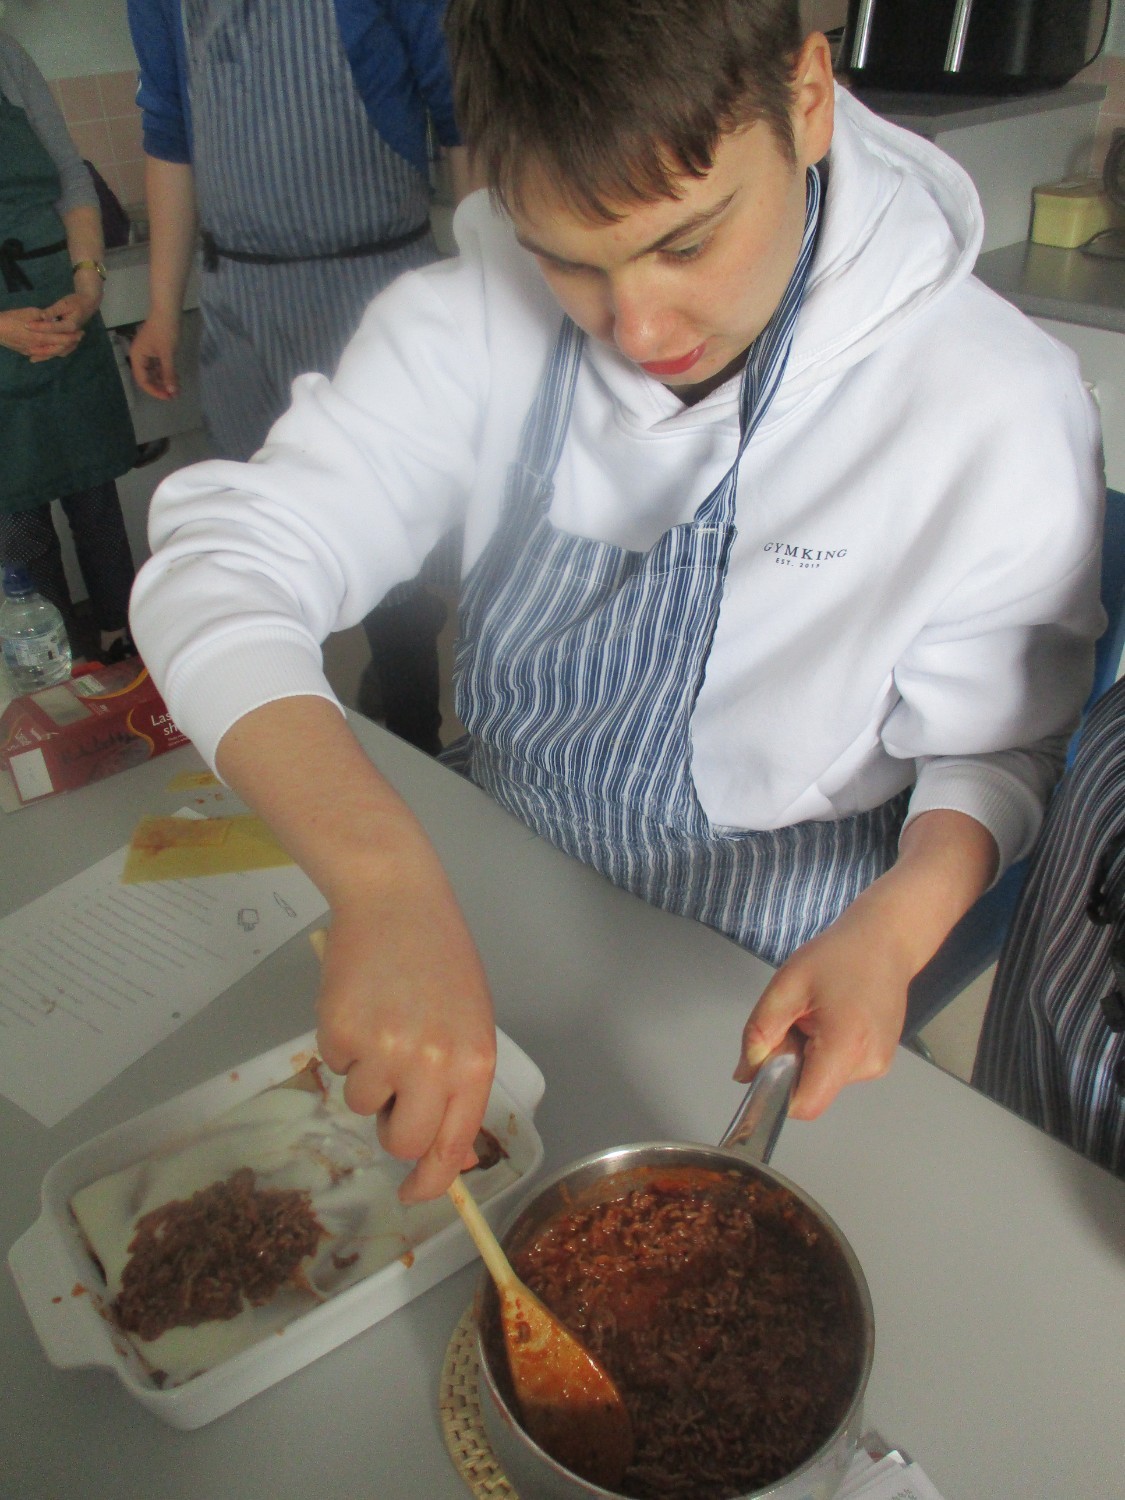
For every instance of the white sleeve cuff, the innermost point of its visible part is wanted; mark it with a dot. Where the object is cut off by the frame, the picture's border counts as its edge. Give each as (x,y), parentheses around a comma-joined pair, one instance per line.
(223,681)
(1007,806)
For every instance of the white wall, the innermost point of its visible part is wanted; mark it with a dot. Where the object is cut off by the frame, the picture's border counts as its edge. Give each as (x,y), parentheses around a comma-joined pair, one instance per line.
(823,15)
(68,38)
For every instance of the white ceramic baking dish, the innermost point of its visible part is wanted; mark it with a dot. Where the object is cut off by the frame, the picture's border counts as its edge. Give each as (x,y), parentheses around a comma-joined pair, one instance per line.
(64,1291)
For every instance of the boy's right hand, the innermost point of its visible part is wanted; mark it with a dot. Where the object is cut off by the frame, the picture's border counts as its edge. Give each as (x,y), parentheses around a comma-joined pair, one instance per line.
(404,1008)
(152,357)
(405,1013)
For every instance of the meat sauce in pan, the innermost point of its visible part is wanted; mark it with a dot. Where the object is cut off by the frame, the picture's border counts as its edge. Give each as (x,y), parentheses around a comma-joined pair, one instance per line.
(727,1317)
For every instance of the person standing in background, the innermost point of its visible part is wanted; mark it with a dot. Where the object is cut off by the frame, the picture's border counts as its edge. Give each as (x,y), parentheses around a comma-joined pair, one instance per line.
(67,433)
(296,137)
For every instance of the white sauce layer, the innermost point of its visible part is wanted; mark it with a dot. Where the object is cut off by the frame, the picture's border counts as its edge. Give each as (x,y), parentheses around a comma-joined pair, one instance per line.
(291,1137)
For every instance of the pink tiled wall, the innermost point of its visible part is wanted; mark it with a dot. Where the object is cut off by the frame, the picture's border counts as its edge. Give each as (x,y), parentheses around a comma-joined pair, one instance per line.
(105,124)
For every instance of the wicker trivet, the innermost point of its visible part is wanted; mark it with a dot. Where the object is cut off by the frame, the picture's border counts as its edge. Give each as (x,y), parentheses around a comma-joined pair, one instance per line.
(461,1420)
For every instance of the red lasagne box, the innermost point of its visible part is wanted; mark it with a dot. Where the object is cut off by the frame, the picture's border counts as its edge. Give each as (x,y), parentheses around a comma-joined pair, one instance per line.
(93,726)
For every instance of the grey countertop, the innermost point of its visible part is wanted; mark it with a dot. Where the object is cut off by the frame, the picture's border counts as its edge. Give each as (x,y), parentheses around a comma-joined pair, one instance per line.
(1062,284)
(993,1253)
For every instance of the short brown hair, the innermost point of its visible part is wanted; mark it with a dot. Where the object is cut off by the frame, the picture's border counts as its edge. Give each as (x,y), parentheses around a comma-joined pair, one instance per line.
(615,99)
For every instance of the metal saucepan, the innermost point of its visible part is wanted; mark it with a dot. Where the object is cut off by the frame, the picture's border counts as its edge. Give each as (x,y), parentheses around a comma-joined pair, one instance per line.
(745,1149)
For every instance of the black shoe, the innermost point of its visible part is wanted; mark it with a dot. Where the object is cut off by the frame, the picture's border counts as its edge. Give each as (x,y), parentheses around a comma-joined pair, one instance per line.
(148,453)
(122,649)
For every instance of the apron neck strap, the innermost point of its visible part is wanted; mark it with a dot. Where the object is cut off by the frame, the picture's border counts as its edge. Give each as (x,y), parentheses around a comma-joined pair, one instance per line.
(545,426)
(769,353)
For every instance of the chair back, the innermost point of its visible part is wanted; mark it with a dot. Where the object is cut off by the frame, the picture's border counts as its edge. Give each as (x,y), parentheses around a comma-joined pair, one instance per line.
(1111,646)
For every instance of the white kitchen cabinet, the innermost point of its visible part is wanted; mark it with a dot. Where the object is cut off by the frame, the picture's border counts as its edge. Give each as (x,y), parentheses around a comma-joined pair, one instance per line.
(126,290)
(1102,356)
(158,419)
(1008,146)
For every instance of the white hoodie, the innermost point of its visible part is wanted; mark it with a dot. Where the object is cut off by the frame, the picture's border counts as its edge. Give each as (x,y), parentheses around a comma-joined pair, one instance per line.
(913,593)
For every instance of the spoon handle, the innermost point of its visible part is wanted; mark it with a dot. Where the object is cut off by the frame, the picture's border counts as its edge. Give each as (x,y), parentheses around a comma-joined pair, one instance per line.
(481,1233)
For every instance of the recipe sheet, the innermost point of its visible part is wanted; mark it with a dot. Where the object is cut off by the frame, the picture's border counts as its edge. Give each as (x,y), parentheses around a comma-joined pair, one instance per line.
(878,1473)
(95,973)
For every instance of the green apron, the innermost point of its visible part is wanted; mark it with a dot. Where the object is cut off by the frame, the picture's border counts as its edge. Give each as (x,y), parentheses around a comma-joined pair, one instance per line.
(64,424)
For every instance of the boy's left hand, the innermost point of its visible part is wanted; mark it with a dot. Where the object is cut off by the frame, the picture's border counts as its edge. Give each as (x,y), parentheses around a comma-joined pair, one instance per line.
(845,990)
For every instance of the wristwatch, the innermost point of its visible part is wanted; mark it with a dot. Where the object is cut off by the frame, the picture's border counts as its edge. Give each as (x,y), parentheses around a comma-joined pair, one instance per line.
(89,265)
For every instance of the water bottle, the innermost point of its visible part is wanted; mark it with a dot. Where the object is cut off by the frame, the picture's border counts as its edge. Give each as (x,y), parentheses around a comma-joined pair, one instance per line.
(33,635)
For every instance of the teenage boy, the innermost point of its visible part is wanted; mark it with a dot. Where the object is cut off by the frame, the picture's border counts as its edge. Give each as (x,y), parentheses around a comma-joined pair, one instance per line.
(781,545)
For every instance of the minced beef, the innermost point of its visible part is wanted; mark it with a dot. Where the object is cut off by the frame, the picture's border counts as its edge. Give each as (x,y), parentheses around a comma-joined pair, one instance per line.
(727,1318)
(196,1259)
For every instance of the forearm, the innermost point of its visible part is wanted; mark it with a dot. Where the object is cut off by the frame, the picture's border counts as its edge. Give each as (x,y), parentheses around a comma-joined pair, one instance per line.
(404,1009)
(846,989)
(170,198)
(84,239)
(85,243)
(339,818)
(947,860)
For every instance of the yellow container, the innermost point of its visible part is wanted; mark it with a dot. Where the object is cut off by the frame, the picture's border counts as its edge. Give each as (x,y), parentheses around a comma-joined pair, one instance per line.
(1067,214)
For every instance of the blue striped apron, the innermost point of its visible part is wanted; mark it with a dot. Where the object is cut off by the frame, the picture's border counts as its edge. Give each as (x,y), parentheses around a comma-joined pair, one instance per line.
(577,674)
(1046,1048)
(286,162)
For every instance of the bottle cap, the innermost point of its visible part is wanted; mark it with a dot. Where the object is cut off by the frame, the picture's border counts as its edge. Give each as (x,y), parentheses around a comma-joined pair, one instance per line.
(17,582)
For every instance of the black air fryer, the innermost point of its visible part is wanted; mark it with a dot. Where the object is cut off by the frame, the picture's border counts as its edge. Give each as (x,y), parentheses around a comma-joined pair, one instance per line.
(968,46)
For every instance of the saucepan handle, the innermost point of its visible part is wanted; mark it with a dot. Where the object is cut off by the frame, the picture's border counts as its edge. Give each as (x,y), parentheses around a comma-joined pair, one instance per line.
(758,1120)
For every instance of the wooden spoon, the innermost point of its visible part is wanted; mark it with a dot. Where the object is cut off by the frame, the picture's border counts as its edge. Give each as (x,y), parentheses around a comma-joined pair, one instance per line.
(569,1404)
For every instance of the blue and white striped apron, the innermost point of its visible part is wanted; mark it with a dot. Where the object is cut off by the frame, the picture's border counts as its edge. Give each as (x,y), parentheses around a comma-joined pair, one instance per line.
(1046,1049)
(577,674)
(286,162)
